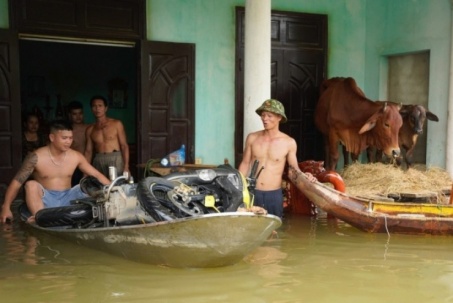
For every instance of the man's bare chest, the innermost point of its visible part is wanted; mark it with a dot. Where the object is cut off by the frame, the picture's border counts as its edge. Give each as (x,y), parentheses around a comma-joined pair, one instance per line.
(269,150)
(104,134)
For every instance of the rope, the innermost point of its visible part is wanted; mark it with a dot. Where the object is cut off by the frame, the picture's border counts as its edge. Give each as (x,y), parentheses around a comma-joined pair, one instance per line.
(388,238)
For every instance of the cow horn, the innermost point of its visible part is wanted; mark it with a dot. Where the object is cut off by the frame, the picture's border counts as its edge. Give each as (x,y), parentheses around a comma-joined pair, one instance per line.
(385,105)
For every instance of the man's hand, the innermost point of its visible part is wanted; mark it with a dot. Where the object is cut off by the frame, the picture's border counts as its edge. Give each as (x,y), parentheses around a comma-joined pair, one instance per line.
(6,215)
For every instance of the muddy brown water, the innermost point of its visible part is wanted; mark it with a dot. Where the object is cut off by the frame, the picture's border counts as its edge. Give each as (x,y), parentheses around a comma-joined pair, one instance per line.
(311,260)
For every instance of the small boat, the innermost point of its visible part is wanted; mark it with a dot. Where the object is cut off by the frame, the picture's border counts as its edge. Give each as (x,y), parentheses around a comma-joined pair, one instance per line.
(200,218)
(373,215)
(211,240)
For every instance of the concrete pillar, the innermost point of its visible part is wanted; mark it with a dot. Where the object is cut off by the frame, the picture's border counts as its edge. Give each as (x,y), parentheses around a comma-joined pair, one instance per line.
(449,147)
(257,61)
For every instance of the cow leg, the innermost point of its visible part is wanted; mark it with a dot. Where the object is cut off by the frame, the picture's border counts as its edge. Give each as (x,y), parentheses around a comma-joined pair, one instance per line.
(326,151)
(408,158)
(334,155)
(354,157)
(370,153)
(410,150)
(345,155)
(379,155)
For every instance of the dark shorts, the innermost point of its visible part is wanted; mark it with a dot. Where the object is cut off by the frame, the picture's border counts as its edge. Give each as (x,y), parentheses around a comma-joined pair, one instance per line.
(271,200)
(102,161)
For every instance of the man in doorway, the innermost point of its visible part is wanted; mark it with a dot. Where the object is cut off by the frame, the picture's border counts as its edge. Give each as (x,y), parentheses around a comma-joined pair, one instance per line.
(106,138)
(51,167)
(75,112)
(273,149)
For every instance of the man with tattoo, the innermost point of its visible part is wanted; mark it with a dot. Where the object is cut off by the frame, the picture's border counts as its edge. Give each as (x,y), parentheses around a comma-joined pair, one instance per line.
(106,139)
(51,168)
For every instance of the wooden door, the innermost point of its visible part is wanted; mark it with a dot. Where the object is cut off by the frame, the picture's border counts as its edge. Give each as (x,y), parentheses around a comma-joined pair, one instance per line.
(167,94)
(10,120)
(298,66)
(301,75)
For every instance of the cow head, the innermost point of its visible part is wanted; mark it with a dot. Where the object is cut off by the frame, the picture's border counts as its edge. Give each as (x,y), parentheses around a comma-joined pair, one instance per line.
(383,127)
(415,116)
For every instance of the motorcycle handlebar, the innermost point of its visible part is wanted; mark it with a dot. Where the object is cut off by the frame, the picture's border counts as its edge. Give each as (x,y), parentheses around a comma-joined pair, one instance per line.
(254,168)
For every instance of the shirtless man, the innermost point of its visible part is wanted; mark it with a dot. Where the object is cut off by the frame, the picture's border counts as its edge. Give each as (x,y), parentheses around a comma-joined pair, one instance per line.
(107,139)
(272,148)
(51,167)
(75,111)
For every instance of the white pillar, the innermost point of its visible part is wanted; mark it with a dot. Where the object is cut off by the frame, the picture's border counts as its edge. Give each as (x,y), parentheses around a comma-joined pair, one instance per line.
(257,61)
(449,147)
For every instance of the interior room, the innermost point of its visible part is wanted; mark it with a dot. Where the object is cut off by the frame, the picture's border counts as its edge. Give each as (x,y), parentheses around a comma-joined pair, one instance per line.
(55,73)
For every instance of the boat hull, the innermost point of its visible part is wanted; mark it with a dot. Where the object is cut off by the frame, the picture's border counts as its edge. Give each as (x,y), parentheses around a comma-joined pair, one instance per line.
(212,240)
(377,216)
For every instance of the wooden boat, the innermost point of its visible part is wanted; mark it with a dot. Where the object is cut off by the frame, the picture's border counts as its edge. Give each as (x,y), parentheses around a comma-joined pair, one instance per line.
(211,240)
(372,215)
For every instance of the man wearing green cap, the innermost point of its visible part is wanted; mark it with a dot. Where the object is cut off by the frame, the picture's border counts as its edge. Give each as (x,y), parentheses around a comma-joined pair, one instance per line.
(272,148)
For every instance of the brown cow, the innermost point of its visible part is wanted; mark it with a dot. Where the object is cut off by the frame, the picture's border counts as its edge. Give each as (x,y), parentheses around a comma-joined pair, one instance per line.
(414,117)
(344,115)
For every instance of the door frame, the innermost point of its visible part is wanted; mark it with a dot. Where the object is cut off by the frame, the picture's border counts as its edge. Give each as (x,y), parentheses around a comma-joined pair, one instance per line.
(10,107)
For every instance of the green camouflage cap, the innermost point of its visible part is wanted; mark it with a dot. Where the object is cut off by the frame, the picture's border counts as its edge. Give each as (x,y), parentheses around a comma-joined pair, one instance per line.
(273,106)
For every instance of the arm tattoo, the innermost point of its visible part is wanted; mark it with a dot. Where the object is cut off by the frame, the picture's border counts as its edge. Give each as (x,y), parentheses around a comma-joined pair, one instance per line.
(28,166)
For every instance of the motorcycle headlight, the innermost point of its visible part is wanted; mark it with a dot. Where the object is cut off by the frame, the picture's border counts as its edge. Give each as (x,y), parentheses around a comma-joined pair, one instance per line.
(206,174)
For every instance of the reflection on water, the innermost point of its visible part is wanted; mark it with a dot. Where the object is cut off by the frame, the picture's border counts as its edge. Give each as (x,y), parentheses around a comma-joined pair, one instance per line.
(311,260)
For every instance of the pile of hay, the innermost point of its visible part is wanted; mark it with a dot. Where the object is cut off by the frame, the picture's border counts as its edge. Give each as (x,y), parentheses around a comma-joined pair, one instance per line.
(377,179)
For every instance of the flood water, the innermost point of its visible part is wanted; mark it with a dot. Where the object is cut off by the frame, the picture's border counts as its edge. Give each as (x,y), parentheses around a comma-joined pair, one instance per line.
(311,260)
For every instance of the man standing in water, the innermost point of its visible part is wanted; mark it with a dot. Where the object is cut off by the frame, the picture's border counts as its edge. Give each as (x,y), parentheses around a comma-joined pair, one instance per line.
(51,167)
(107,139)
(75,111)
(272,148)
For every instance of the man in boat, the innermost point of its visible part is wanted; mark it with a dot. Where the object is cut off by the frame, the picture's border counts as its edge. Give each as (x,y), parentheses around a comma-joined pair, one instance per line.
(106,138)
(51,168)
(273,149)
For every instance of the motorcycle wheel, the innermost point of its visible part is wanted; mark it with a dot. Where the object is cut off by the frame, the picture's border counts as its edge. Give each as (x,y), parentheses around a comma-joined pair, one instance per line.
(151,193)
(73,215)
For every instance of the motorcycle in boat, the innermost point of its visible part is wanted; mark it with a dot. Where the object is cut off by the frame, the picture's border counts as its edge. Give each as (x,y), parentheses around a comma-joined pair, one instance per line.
(184,219)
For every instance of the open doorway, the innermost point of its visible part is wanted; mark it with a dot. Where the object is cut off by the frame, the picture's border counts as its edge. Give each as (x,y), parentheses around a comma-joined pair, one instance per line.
(408,83)
(157,108)
(54,73)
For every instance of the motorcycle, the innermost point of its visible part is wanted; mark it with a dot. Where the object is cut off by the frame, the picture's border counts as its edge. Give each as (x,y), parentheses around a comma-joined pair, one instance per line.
(155,199)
